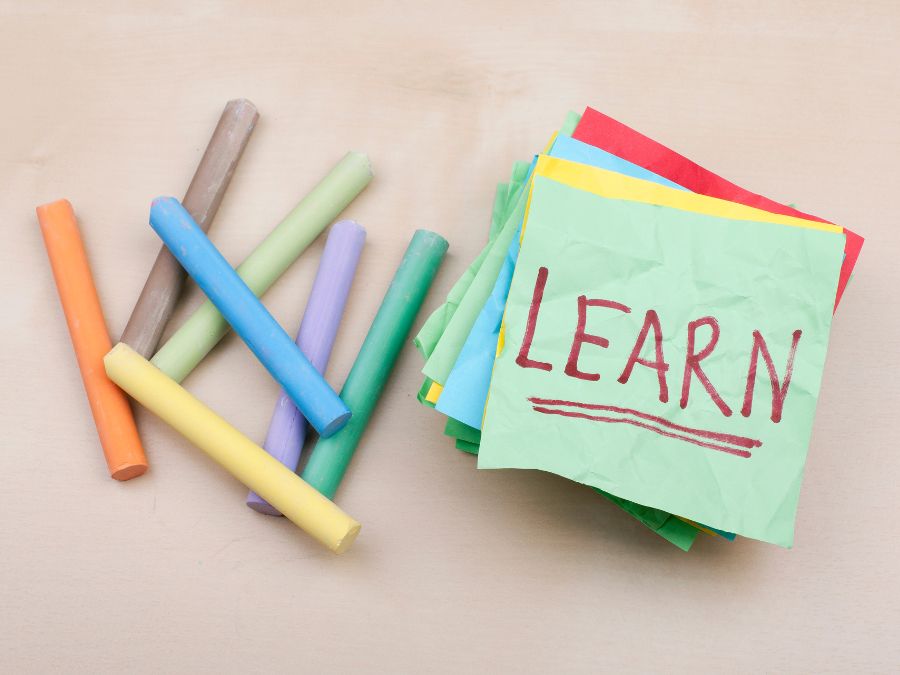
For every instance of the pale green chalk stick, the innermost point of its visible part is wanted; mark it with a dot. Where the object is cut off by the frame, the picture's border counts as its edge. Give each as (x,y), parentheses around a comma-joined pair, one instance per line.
(268,261)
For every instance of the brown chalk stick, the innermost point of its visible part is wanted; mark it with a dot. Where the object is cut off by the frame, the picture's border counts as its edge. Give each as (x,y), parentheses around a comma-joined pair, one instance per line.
(166,279)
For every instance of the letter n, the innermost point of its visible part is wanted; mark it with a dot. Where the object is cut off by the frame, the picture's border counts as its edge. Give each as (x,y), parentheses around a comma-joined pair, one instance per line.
(779,389)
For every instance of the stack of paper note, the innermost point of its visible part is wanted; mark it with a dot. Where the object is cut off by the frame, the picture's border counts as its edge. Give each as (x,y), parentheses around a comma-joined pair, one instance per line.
(640,325)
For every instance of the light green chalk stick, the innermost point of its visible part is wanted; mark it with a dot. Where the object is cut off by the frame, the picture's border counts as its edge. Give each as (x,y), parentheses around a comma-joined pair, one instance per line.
(268,261)
(434,326)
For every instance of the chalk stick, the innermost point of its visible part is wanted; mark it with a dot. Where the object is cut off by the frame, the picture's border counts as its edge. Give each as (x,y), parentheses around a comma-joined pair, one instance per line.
(268,261)
(331,456)
(87,328)
(164,283)
(236,453)
(287,430)
(246,314)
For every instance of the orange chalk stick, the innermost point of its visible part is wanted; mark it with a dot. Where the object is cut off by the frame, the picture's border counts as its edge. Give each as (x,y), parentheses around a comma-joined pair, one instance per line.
(112,413)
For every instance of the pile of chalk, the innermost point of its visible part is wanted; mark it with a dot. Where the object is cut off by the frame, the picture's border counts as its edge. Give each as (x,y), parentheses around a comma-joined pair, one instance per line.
(152,375)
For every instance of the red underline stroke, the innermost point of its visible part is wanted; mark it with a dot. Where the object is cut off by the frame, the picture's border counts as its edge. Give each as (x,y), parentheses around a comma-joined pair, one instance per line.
(722,437)
(642,425)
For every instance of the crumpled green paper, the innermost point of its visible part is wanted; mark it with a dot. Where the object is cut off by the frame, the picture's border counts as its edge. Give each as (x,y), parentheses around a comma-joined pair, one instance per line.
(748,275)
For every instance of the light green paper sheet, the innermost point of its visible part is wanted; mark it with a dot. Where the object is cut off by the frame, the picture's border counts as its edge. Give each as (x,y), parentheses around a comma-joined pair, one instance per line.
(520,173)
(432,331)
(500,197)
(748,275)
(429,335)
(444,354)
(433,328)
(571,121)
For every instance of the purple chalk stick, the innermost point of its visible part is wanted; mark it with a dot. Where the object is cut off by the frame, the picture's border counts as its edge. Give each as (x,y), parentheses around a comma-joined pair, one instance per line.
(287,430)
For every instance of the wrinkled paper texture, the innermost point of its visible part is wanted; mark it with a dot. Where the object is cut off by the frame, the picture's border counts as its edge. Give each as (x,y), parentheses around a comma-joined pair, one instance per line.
(683,265)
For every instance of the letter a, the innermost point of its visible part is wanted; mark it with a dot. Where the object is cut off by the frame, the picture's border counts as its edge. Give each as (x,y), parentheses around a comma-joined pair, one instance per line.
(651,320)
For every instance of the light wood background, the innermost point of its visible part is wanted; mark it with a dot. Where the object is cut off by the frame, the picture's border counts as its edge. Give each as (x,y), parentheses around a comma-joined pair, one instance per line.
(110,104)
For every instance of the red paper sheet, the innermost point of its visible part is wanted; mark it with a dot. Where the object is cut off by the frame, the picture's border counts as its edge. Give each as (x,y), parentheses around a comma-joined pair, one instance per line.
(608,134)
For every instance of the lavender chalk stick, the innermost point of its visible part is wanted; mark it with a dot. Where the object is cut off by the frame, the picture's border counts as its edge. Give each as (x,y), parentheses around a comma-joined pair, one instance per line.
(287,430)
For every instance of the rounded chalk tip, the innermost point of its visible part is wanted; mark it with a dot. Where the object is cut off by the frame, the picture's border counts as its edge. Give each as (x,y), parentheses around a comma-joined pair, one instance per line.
(60,207)
(245,103)
(260,505)
(242,110)
(347,540)
(336,425)
(348,226)
(129,470)
(163,201)
(362,159)
(432,239)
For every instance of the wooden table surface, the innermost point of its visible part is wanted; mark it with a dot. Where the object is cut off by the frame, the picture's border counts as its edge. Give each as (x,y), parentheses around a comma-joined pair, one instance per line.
(111,104)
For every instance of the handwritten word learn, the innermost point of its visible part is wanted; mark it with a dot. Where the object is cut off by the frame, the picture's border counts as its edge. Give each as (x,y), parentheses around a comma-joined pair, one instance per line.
(693,360)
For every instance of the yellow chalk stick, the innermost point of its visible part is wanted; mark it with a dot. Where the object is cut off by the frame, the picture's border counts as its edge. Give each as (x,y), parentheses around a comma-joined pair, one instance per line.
(240,456)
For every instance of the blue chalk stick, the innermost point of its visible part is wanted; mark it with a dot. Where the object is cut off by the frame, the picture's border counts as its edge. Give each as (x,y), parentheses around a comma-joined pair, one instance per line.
(250,319)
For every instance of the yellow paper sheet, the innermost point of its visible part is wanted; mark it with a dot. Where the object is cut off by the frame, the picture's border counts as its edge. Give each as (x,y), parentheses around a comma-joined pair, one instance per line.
(614,185)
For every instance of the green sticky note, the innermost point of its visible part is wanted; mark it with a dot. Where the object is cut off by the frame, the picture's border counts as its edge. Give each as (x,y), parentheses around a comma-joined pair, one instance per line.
(666,357)
(519,174)
(430,333)
(505,200)
(480,282)
(678,532)
(667,526)
(443,356)
(500,197)
(465,446)
(463,432)
(433,328)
